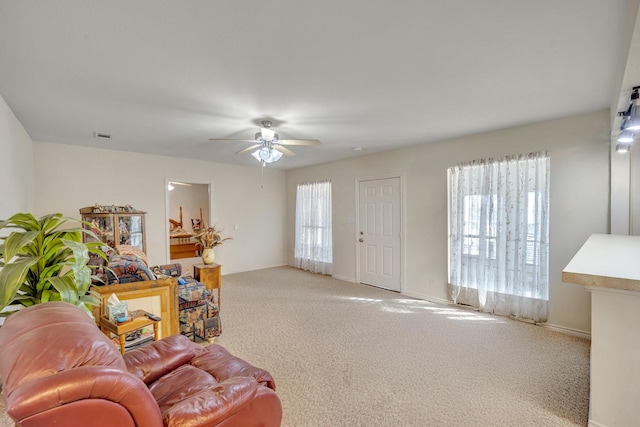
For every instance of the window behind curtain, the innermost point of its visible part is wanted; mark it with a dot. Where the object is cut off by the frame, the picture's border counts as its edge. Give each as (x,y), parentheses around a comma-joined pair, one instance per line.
(313,241)
(499,235)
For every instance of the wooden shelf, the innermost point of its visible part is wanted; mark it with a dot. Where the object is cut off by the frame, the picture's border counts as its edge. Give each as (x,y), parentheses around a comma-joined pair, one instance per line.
(121,329)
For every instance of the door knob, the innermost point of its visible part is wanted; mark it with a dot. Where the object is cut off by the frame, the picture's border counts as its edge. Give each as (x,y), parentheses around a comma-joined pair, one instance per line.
(361,240)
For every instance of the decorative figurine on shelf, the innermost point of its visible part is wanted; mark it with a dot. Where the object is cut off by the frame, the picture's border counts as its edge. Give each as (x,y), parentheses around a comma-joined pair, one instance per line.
(94,227)
(122,227)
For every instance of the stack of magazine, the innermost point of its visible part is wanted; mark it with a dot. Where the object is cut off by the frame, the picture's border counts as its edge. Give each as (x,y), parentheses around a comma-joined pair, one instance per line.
(137,338)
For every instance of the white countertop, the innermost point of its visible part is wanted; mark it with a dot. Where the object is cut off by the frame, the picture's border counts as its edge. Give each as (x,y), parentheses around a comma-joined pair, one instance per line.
(606,260)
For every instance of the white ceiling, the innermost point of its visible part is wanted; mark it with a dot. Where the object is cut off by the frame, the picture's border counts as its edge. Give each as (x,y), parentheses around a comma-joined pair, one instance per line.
(165,76)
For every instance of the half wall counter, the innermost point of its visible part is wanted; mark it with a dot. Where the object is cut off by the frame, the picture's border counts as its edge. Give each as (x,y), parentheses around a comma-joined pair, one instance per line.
(609,267)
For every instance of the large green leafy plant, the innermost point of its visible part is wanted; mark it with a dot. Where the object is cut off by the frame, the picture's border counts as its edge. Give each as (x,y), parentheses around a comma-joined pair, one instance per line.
(44,261)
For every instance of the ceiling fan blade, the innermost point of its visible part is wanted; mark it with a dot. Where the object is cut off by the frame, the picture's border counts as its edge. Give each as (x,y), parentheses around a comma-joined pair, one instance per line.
(232,140)
(249,148)
(284,150)
(298,142)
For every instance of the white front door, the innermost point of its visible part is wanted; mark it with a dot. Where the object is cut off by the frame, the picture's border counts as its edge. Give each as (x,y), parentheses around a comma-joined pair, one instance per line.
(379,235)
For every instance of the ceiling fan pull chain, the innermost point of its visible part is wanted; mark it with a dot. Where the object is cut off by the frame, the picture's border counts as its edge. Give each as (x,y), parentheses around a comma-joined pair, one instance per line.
(262,175)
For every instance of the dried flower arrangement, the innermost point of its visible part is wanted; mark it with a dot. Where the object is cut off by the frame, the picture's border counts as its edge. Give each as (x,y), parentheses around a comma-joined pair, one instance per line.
(210,237)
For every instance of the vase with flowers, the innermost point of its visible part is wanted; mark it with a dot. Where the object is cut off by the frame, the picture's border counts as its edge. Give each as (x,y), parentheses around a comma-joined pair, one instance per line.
(208,239)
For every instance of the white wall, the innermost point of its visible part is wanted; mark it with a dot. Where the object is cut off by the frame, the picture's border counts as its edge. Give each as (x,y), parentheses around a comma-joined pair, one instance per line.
(68,178)
(16,164)
(579,151)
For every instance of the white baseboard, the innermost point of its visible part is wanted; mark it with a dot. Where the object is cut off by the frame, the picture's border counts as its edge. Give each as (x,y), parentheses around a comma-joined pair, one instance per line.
(346,279)
(568,331)
(427,298)
(595,424)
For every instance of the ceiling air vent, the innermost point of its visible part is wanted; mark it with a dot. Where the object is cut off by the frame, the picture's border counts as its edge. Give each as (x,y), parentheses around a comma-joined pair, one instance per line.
(102,135)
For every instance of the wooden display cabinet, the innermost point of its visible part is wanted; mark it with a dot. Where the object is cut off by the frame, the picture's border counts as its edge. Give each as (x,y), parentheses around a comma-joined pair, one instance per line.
(115,225)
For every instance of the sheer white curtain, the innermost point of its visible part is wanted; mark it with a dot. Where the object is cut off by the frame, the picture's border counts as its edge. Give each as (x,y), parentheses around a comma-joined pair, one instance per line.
(499,235)
(313,246)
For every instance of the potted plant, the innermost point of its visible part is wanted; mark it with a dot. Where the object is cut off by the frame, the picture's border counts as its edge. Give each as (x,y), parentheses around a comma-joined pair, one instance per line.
(44,261)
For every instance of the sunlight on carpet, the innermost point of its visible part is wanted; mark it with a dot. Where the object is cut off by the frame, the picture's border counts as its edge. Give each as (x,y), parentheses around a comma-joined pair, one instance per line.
(349,354)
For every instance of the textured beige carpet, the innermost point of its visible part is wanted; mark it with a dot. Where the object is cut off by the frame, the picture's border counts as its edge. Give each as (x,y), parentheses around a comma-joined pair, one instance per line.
(344,354)
(349,354)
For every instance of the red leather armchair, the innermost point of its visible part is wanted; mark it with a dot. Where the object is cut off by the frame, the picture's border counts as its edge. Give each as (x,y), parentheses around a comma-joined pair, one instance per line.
(57,368)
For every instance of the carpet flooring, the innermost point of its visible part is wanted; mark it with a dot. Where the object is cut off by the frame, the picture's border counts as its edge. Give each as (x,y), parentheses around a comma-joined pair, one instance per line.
(346,354)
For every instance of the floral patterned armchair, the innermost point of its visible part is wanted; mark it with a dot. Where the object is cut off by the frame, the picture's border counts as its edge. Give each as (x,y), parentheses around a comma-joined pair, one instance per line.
(198,311)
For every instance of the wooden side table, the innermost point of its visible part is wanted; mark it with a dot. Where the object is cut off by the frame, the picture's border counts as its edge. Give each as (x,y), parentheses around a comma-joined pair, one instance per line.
(210,276)
(122,329)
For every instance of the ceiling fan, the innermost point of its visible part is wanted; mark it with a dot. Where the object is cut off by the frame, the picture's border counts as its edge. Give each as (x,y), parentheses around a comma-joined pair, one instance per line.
(268,146)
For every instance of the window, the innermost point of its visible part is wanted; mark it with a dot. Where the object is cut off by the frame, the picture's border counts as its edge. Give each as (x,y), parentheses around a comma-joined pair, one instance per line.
(313,241)
(473,205)
(498,234)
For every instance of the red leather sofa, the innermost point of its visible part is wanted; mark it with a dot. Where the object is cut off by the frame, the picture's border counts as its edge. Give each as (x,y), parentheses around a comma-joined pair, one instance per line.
(58,368)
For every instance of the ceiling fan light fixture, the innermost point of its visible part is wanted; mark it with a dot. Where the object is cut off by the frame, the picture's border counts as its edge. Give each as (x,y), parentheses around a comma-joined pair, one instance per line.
(267,155)
(267,147)
(264,153)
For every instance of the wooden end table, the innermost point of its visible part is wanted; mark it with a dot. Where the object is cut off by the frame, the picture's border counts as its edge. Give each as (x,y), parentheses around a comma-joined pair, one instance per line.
(121,329)
(210,276)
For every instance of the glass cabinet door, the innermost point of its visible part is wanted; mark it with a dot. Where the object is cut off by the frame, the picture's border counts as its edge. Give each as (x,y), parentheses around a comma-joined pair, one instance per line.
(102,226)
(130,231)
